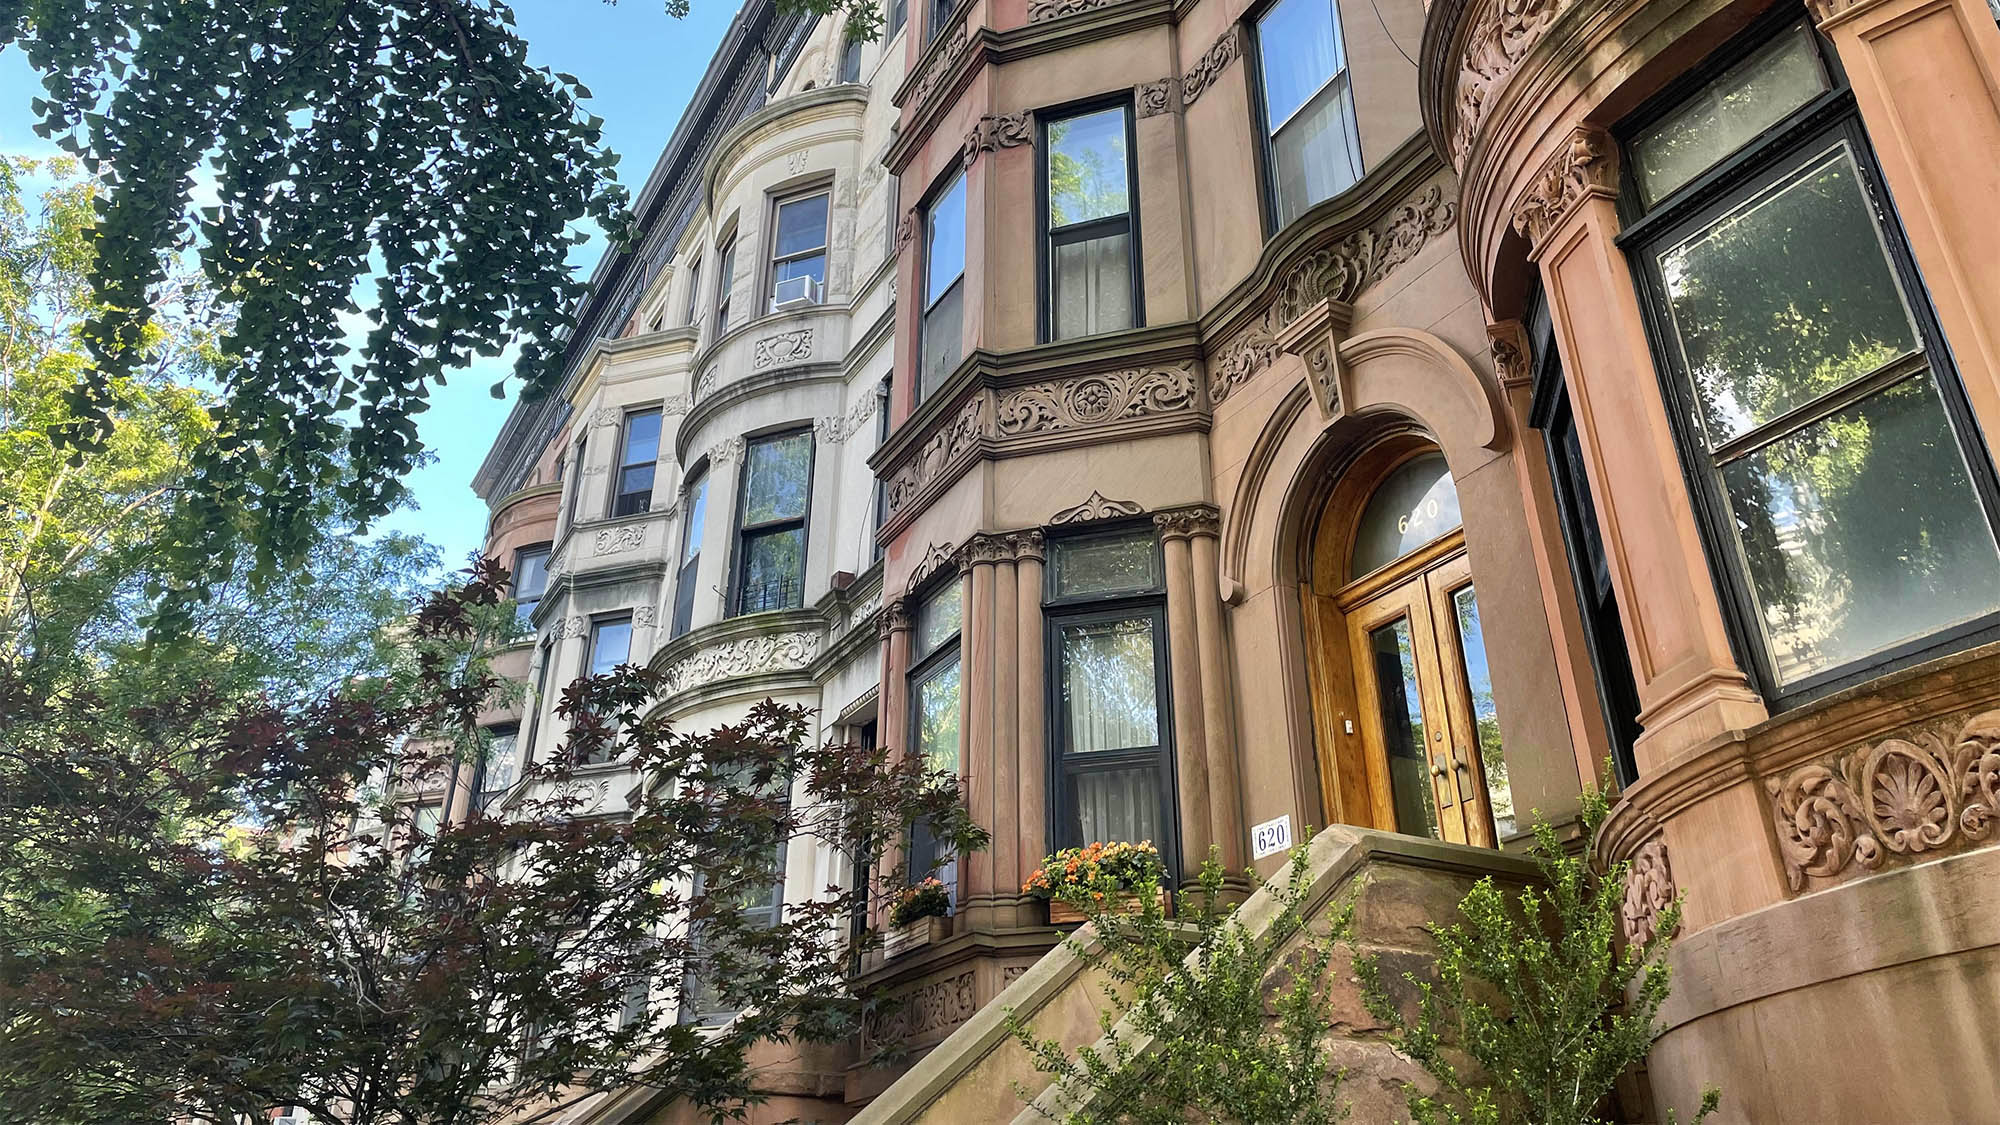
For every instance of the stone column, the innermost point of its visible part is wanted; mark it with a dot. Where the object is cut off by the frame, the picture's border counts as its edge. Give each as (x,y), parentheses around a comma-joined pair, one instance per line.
(1926,76)
(1030,727)
(1690,689)
(1006,845)
(1184,668)
(1225,799)
(976,562)
(892,726)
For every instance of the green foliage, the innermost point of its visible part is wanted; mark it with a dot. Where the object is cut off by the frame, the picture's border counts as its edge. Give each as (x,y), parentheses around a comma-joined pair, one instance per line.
(1536,1009)
(1187,1037)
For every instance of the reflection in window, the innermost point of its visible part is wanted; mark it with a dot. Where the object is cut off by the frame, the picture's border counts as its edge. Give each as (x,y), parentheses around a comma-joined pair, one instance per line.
(637,460)
(503,763)
(771,518)
(935,690)
(1742,102)
(944,286)
(531,580)
(725,283)
(1485,713)
(1313,147)
(1089,223)
(1413,506)
(850,60)
(1403,735)
(696,526)
(610,644)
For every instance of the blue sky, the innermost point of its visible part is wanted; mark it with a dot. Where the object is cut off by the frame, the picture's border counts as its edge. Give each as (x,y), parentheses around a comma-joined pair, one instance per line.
(641,66)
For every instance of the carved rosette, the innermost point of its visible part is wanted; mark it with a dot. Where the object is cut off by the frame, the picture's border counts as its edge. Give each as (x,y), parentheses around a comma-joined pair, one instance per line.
(782,349)
(1155,98)
(1502,32)
(992,131)
(1586,165)
(1649,890)
(1927,790)
(1186,523)
(1097,508)
(744,656)
(646,615)
(1227,48)
(1091,400)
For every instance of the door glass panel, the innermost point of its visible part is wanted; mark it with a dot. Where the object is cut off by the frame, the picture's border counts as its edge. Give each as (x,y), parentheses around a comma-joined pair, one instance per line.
(1117,805)
(1107,686)
(1485,715)
(1861,531)
(1785,299)
(1748,98)
(1415,505)
(1403,731)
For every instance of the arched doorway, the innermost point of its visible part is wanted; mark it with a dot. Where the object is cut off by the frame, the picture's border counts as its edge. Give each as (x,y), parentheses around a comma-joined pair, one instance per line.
(1403,695)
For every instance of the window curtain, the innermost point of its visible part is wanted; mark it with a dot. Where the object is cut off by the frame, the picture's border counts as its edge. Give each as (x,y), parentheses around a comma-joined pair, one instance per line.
(1118,805)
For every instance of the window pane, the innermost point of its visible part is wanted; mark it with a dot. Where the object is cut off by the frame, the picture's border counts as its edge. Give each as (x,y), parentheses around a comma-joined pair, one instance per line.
(1113,806)
(775,483)
(694,291)
(1862,531)
(725,281)
(939,618)
(1109,697)
(635,490)
(1747,99)
(1403,728)
(1485,714)
(531,573)
(942,349)
(1785,298)
(944,255)
(850,61)
(697,520)
(1315,154)
(610,645)
(937,717)
(1415,505)
(1106,564)
(1092,285)
(684,597)
(773,570)
(1087,168)
(1298,45)
(812,265)
(801,226)
(502,764)
(642,438)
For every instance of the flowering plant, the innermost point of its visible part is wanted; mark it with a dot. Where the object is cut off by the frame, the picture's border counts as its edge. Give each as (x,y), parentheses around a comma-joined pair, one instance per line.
(928,899)
(1121,865)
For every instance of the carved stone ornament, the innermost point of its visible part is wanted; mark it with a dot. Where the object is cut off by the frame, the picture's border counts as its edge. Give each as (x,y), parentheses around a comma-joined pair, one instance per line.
(1028,544)
(1227,48)
(1155,98)
(935,559)
(895,617)
(1089,400)
(943,450)
(676,404)
(744,656)
(646,615)
(617,540)
(906,229)
(1649,890)
(840,427)
(783,349)
(1315,337)
(1336,273)
(990,132)
(580,796)
(956,44)
(607,416)
(1585,165)
(725,451)
(926,1012)
(1929,790)
(1183,523)
(985,550)
(1502,33)
(1510,353)
(1041,11)
(1096,508)
(705,386)
(574,627)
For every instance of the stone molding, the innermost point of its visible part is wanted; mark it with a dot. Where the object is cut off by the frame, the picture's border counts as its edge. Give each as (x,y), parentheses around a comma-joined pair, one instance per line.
(1041,11)
(1338,272)
(1509,343)
(944,449)
(1649,889)
(1934,788)
(840,427)
(937,557)
(743,656)
(1189,522)
(1227,48)
(1503,31)
(607,416)
(1585,165)
(1089,400)
(618,540)
(1315,337)
(1155,98)
(782,349)
(1098,507)
(956,43)
(996,131)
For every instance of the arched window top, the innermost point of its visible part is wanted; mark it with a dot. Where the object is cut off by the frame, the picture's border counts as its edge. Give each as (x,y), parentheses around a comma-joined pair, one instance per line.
(1414,505)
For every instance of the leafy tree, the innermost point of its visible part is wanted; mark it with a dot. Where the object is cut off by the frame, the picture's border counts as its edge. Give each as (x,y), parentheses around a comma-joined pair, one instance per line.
(1187,1037)
(1536,1009)
(263,904)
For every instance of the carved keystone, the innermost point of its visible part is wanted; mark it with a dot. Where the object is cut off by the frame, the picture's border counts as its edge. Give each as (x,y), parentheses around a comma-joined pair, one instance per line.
(1315,336)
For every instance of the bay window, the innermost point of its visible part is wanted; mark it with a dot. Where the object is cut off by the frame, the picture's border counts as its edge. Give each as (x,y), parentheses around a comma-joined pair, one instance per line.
(638,455)
(1106,612)
(798,250)
(935,688)
(1089,252)
(944,286)
(771,522)
(695,525)
(1847,500)
(1312,147)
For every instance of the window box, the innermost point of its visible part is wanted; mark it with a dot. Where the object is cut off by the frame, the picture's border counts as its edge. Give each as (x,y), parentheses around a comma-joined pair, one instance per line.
(1125,905)
(915,935)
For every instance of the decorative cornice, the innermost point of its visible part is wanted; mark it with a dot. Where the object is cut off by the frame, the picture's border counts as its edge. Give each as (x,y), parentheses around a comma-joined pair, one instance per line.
(1227,48)
(1089,400)
(1098,507)
(993,131)
(1585,165)
(782,349)
(1193,520)
(741,657)
(952,443)
(1042,10)
(1502,33)
(1155,98)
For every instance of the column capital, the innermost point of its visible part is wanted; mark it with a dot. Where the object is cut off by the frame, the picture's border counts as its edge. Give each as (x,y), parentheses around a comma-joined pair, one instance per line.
(1188,522)
(1028,544)
(895,618)
(984,549)
(1585,165)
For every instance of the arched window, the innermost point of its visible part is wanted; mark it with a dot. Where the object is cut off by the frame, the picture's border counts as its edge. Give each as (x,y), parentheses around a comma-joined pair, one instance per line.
(850,60)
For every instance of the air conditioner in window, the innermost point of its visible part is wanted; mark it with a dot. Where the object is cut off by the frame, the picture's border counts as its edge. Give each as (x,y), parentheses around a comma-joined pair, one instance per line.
(795,292)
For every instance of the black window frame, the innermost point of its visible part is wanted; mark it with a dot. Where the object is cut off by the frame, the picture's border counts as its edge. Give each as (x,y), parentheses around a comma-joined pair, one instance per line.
(899,14)
(942,188)
(923,850)
(579,450)
(773,260)
(1260,117)
(741,533)
(525,607)
(1047,239)
(1059,610)
(688,568)
(642,501)
(693,307)
(1817,125)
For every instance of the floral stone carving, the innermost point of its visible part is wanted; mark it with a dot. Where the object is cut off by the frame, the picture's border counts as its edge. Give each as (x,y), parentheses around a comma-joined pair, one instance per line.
(996,131)
(1583,166)
(1093,399)
(1905,796)
(1097,508)
(744,656)
(927,1011)
(1227,48)
(1502,33)
(939,453)
(616,540)
(1649,889)
(784,348)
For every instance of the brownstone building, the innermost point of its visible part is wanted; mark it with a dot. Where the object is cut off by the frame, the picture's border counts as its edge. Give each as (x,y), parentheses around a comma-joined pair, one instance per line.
(1345,412)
